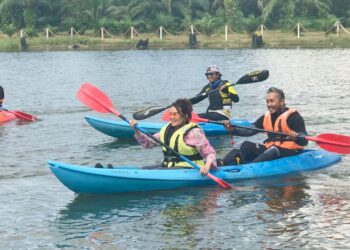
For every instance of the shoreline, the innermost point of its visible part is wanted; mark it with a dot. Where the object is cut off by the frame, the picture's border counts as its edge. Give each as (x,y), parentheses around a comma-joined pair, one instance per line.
(271,39)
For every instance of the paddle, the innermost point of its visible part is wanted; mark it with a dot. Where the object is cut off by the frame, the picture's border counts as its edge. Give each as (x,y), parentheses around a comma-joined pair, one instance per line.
(23,116)
(19,114)
(2,95)
(255,76)
(331,142)
(99,101)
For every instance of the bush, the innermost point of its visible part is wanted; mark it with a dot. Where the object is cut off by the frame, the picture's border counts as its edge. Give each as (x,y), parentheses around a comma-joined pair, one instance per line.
(30,31)
(8,29)
(250,24)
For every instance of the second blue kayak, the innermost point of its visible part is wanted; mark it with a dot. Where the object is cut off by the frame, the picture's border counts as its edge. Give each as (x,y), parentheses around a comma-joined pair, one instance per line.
(121,129)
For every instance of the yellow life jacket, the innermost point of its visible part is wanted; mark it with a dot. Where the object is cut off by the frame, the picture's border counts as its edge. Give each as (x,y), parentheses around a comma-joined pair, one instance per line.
(281,125)
(220,101)
(176,142)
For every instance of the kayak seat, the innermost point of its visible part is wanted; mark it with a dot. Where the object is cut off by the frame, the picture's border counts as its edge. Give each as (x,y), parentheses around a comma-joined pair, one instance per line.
(99,165)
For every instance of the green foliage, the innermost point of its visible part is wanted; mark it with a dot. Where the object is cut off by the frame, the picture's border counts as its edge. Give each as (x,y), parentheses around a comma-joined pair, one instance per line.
(210,25)
(234,15)
(250,24)
(31,31)
(8,29)
(322,23)
(166,21)
(174,15)
(30,18)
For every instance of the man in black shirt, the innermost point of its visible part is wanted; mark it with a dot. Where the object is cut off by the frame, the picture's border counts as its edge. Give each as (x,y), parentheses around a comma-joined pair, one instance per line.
(278,118)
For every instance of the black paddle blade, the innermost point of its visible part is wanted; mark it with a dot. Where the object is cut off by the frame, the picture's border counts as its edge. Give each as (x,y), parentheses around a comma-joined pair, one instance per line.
(148,112)
(255,76)
(2,94)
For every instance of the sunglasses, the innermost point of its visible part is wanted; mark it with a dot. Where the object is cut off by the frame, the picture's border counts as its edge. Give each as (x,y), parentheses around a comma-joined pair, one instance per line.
(209,74)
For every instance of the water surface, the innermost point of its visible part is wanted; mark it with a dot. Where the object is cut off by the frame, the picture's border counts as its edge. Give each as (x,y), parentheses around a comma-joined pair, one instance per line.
(308,210)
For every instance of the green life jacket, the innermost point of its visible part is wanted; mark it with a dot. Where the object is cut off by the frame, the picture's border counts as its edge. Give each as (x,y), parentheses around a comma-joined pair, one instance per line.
(176,142)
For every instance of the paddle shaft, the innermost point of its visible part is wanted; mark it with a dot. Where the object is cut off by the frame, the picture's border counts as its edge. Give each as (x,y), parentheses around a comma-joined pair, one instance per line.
(309,138)
(157,111)
(203,94)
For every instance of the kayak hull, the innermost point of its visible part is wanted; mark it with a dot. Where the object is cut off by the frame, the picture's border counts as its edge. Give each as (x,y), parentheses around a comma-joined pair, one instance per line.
(6,116)
(90,180)
(121,129)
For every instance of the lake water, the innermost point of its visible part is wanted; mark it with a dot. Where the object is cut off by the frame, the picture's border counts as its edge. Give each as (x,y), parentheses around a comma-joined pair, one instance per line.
(308,210)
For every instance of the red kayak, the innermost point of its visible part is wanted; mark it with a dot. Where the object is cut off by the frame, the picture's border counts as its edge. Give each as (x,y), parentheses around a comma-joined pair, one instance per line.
(6,116)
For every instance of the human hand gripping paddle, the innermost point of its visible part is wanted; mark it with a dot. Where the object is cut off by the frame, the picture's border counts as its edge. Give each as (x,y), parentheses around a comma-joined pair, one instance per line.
(331,142)
(100,102)
(19,114)
(255,76)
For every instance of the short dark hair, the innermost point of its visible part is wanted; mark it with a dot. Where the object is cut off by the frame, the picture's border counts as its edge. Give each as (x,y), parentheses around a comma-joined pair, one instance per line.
(184,107)
(276,90)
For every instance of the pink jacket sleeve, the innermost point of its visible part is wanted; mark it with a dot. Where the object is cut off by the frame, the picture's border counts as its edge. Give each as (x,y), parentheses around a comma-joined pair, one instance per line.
(196,138)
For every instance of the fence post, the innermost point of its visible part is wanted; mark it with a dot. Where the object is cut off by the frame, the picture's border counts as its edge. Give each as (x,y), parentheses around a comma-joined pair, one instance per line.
(132,32)
(192,29)
(298,27)
(47,33)
(161,32)
(337,23)
(102,33)
(21,33)
(226,33)
(71,32)
(262,30)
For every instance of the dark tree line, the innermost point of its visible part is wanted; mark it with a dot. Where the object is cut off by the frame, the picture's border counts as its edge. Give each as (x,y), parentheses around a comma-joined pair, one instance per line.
(174,15)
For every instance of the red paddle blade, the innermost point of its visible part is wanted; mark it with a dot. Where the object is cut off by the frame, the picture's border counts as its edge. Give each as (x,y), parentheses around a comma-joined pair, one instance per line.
(95,98)
(196,118)
(166,115)
(24,116)
(219,181)
(332,142)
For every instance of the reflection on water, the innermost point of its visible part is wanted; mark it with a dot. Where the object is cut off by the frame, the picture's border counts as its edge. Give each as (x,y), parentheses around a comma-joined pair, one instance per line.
(131,216)
(198,216)
(310,210)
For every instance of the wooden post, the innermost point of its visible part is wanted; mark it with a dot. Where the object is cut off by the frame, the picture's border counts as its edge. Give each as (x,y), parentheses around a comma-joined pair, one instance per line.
(192,29)
(161,32)
(337,24)
(226,33)
(262,30)
(102,33)
(71,32)
(298,30)
(47,33)
(132,32)
(21,33)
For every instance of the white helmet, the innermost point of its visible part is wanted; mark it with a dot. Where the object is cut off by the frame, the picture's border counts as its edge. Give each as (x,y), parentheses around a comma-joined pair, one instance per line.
(212,69)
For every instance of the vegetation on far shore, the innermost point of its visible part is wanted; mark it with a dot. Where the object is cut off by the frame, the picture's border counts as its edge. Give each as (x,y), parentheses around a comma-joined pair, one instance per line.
(243,17)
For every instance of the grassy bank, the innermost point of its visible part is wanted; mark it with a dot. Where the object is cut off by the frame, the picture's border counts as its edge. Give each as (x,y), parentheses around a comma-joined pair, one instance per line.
(272,39)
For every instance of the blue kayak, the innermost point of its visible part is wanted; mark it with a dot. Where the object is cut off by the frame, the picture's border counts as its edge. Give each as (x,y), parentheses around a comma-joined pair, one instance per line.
(121,129)
(84,179)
